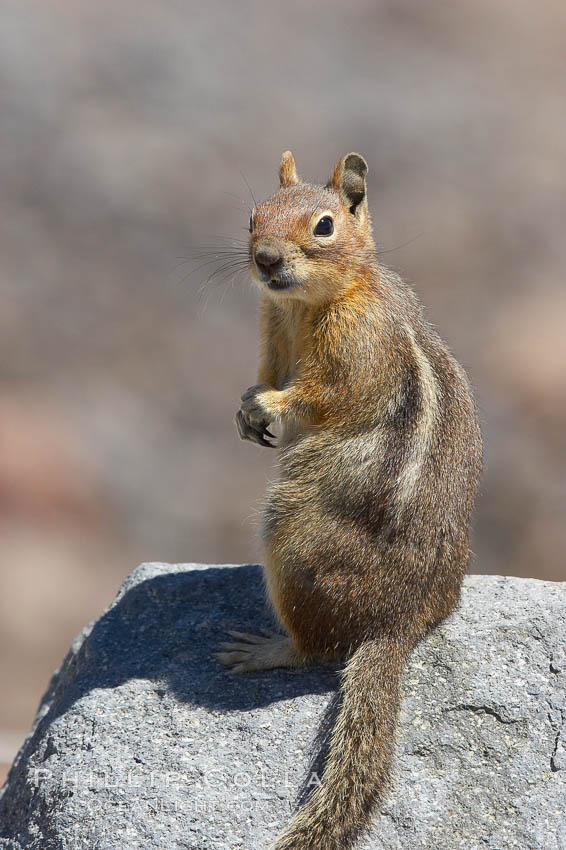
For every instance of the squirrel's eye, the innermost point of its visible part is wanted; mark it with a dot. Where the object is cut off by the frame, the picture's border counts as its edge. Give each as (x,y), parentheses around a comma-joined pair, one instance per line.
(251,225)
(325,226)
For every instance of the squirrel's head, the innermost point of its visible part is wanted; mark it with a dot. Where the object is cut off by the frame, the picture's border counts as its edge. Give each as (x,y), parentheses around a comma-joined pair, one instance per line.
(307,242)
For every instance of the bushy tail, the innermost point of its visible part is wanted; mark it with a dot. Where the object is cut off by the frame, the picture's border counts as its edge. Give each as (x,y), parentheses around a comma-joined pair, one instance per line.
(359,758)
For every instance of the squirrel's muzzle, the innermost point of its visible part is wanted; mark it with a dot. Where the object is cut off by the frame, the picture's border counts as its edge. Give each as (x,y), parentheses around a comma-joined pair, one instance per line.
(267,257)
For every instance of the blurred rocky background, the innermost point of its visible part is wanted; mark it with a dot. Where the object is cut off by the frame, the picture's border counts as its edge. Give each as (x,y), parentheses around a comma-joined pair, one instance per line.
(128,134)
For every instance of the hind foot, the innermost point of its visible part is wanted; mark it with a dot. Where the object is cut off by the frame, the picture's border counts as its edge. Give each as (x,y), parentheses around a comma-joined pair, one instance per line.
(258,652)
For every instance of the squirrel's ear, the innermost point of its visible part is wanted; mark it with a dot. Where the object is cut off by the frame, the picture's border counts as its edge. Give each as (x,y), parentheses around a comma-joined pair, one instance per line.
(288,170)
(349,180)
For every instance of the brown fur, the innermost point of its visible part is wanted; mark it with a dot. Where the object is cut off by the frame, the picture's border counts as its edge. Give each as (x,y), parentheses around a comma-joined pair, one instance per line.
(366,532)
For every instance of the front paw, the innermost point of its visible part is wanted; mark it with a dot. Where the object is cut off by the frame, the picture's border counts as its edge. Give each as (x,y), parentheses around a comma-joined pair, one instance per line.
(255,435)
(253,406)
(252,419)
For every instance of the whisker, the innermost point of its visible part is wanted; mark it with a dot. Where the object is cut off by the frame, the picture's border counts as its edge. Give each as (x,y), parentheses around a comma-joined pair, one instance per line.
(229,278)
(239,266)
(217,237)
(211,256)
(231,263)
(226,272)
(226,266)
(402,245)
(237,197)
(220,255)
(235,247)
(198,268)
(215,246)
(249,187)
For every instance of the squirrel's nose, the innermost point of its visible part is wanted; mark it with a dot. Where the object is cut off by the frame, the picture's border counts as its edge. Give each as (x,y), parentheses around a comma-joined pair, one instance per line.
(267,257)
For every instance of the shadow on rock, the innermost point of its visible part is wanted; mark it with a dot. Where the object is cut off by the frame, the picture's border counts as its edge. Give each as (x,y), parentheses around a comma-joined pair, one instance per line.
(165,628)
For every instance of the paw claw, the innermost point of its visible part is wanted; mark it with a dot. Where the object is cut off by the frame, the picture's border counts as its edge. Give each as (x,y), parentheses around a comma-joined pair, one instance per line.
(247,431)
(253,391)
(251,639)
(239,635)
(256,652)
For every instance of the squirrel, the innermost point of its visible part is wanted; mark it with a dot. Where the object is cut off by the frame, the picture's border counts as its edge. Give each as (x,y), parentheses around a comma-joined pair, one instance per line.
(366,532)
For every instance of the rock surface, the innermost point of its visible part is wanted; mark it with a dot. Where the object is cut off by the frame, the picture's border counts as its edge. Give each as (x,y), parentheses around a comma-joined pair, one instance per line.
(143,741)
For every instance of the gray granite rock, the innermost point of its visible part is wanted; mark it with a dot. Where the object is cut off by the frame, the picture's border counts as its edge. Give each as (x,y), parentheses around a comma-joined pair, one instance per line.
(143,741)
